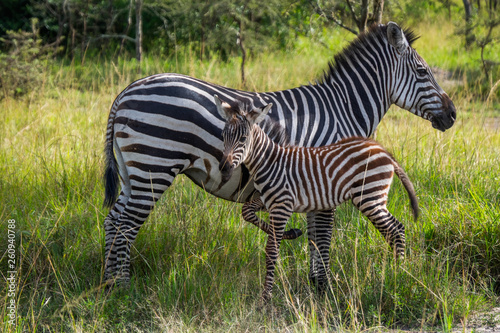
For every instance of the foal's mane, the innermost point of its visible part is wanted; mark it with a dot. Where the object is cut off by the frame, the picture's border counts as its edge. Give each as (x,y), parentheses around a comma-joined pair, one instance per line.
(276,132)
(272,128)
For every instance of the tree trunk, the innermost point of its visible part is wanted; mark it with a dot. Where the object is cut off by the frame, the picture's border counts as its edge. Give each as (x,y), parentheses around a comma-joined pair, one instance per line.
(109,26)
(243,53)
(469,37)
(138,30)
(202,48)
(71,31)
(60,26)
(84,15)
(129,23)
(378,9)
(363,17)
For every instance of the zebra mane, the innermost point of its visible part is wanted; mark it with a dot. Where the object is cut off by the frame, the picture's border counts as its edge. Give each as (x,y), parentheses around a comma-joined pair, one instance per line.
(375,33)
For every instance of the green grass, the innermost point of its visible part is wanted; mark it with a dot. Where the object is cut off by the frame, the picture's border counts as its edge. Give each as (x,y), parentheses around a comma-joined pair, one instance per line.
(196,265)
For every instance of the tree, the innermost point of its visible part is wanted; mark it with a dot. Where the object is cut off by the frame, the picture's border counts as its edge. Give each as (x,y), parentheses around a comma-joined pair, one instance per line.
(469,37)
(481,28)
(23,63)
(353,16)
(138,30)
(227,27)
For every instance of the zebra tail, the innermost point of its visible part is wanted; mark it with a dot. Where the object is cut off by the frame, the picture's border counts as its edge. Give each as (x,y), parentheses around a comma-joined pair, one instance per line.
(111,171)
(409,188)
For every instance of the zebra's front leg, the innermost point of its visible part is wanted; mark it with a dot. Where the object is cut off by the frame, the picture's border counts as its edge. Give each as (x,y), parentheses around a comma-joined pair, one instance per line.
(319,232)
(278,215)
(249,211)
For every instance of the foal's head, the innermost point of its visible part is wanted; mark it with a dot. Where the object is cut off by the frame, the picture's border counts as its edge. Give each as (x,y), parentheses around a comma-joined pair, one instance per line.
(236,133)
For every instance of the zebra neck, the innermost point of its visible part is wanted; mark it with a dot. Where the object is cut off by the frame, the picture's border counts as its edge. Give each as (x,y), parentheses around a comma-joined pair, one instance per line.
(361,91)
(262,151)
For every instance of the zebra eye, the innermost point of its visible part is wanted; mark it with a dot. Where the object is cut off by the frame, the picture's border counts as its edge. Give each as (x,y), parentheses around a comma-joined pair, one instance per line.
(422,71)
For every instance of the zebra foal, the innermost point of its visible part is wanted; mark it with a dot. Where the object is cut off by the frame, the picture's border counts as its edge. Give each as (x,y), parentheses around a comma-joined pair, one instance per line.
(298,179)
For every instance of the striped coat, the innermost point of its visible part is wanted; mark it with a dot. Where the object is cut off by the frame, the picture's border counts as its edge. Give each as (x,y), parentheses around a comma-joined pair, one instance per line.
(299,179)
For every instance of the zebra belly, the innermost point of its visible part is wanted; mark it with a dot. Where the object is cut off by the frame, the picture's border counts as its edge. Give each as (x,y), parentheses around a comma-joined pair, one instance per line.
(239,188)
(170,121)
(309,199)
(160,159)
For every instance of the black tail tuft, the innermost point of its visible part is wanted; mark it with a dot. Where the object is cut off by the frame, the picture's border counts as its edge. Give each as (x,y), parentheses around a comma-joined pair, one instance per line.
(110,178)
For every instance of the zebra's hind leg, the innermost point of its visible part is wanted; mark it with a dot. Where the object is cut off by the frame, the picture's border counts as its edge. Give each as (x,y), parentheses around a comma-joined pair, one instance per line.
(111,228)
(319,233)
(249,211)
(143,196)
(392,230)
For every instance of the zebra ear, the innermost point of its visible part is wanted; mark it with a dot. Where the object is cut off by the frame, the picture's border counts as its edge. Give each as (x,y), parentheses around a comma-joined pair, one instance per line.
(223,108)
(396,37)
(257,115)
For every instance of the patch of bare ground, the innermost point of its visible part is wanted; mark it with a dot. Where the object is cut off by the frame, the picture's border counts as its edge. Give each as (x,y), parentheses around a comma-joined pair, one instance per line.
(492,123)
(483,322)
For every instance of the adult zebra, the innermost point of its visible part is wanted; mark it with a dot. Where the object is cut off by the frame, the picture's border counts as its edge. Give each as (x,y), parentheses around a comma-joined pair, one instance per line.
(168,124)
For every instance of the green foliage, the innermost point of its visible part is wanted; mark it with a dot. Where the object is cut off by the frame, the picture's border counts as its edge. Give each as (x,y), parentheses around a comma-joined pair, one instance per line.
(22,65)
(214,26)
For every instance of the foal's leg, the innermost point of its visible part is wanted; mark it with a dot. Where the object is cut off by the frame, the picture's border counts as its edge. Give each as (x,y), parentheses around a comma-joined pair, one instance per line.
(249,211)
(392,230)
(279,215)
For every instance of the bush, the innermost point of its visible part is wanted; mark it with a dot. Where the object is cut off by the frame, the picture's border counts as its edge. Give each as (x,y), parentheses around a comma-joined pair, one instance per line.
(22,62)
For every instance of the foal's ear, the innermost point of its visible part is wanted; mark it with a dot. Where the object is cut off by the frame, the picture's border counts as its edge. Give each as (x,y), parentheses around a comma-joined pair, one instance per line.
(224,109)
(258,114)
(396,37)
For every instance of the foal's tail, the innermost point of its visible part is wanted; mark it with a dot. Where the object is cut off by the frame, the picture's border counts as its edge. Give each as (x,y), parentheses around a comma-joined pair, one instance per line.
(408,186)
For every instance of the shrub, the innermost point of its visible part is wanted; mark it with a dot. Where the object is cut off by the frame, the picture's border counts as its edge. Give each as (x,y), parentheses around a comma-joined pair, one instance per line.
(22,61)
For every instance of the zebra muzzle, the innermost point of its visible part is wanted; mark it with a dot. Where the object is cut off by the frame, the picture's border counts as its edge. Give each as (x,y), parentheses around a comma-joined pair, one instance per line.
(445,118)
(226,170)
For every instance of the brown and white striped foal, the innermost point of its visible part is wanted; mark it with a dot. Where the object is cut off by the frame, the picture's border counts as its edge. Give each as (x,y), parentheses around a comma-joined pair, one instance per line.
(297,179)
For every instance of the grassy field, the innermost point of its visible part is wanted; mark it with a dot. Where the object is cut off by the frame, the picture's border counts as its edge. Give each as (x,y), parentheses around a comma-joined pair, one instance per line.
(197,265)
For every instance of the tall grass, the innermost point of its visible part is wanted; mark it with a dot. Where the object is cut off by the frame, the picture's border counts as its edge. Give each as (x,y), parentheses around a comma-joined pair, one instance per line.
(196,265)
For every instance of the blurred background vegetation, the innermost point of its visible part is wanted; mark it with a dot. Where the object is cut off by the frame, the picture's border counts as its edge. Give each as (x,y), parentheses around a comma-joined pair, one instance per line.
(77,31)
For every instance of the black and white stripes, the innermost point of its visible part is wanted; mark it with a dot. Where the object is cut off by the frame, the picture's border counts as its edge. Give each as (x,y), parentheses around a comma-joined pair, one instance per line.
(167,124)
(308,179)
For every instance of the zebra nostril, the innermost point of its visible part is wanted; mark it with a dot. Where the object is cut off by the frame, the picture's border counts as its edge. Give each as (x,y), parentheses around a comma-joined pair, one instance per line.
(222,164)
(226,173)
(453,111)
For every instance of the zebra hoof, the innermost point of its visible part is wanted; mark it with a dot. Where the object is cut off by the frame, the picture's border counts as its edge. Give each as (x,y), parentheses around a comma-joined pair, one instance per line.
(118,281)
(292,234)
(319,283)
